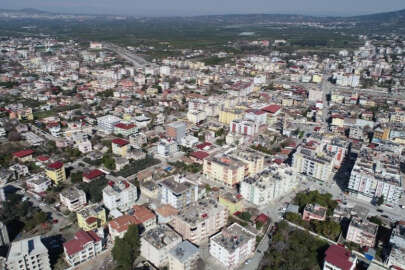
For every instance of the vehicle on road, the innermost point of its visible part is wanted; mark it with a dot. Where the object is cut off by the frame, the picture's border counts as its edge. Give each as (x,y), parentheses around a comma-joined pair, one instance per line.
(379,210)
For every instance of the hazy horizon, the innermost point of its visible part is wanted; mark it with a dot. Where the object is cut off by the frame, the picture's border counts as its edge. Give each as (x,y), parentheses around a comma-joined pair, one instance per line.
(208,7)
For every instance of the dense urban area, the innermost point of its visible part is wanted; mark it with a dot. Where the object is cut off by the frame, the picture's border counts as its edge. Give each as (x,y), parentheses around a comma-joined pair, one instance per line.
(234,152)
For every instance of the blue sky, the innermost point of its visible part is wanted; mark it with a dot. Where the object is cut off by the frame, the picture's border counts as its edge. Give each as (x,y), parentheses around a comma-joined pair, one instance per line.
(201,7)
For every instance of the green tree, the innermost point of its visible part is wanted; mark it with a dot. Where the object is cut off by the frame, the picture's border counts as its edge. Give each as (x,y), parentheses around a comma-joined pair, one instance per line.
(108,161)
(76,177)
(127,249)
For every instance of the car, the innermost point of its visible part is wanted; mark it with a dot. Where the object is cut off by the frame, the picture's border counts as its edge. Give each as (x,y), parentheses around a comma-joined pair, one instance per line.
(379,210)
(384,216)
(55,221)
(248,261)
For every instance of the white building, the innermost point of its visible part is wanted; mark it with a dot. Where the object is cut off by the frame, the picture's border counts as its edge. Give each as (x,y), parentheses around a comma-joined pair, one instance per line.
(119,194)
(156,244)
(28,254)
(196,116)
(83,247)
(106,123)
(233,246)
(184,256)
(38,183)
(74,199)
(244,127)
(269,185)
(397,242)
(167,148)
(177,191)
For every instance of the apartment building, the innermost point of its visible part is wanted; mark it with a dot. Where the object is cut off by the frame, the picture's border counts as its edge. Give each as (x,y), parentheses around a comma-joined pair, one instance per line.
(200,220)
(338,257)
(56,172)
(362,232)
(166,213)
(376,173)
(106,123)
(184,256)
(38,183)
(91,217)
(137,140)
(396,258)
(234,203)
(313,163)
(176,130)
(125,129)
(157,243)
(233,246)
(196,116)
(244,127)
(225,169)
(28,254)
(74,199)
(120,195)
(314,212)
(167,148)
(144,217)
(24,155)
(177,191)
(226,116)
(269,185)
(120,147)
(83,247)
(253,160)
(119,226)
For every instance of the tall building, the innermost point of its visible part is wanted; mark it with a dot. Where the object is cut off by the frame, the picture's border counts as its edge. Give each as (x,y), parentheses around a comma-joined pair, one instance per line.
(28,254)
(184,256)
(314,163)
(233,246)
(167,148)
(253,160)
(120,147)
(269,185)
(396,258)
(106,123)
(4,239)
(362,232)
(376,173)
(119,194)
(225,169)
(157,243)
(200,220)
(56,172)
(176,130)
(74,199)
(83,247)
(177,191)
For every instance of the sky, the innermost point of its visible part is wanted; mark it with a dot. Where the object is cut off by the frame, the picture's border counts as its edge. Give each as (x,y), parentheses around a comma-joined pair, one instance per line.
(208,7)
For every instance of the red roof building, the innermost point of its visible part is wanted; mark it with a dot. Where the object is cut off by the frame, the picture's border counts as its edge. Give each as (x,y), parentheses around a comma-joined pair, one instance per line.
(56,165)
(198,156)
(84,246)
(338,257)
(120,142)
(272,108)
(124,126)
(262,218)
(92,175)
(23,153)
(43,158)
(204,145)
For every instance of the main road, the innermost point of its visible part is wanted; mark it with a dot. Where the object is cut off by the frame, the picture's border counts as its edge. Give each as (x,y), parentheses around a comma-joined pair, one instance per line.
(136,60)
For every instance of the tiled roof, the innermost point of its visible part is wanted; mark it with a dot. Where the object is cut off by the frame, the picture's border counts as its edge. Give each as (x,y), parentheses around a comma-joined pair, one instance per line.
(199,154)
(120,142)
(56,165)
(339,257)
(23,153)
(81,238)
(93,174)
(271,108)
(124,126)
(122,223)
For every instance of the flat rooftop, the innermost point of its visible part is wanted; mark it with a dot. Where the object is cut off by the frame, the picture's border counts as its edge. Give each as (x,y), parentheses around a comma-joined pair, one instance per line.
(233,237)
(161,236)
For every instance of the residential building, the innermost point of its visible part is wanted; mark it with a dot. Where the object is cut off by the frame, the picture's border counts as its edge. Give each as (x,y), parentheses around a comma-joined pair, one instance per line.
(24,155)
(196,116)
(200,220)
(225,169)
(120,195)
(313,163)
(233,246)
(176,130)
(149,189)
(226,116)
(184,256)
(119,226)
(234,203)
(144,217)
(83,247)
(377,173)
(91,217)
(396,258)
(125,129)
(314,212)
(362,232)
(120,147)
(167,148)
(244,127)
(4,239)
(38,183)
(253,160)
(74,199)
(106,123)
(166,213)
(269,185)
(92,175)
(56,172)
(28,254)
(137,140)
(177,191)
(156,244)
(337,257)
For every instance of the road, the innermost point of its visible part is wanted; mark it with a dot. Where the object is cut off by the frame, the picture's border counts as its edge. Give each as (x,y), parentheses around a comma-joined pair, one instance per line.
(136,60)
